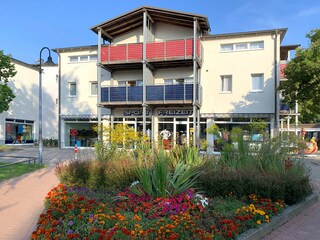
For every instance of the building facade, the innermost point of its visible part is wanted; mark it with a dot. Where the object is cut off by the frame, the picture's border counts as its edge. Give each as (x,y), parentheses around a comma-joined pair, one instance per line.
(157,69)
(19,125)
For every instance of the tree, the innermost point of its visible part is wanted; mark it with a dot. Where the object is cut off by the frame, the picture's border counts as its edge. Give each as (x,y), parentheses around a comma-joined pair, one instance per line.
(303,84)
(7,70)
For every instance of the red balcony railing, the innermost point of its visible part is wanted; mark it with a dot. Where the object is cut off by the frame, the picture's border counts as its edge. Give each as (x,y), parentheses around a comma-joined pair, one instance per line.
(155,51)
(282,67)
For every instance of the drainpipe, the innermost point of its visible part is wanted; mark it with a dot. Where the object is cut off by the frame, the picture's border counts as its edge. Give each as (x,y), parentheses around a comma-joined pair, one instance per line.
(144,72)
(59,100)
(276,84)
(195,25)
(99,87)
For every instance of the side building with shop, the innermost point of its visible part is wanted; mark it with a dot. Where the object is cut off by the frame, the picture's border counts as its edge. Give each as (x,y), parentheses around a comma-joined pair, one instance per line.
(19,125)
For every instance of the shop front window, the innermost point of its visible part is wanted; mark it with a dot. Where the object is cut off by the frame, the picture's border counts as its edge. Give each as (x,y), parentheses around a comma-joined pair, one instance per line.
(19,133)
(81,134)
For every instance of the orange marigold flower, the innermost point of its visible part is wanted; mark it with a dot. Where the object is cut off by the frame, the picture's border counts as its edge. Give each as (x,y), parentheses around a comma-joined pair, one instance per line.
(137,218)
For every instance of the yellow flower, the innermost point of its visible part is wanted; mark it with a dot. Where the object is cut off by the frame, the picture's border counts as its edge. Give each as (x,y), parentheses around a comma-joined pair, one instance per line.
(267,217)
(259,222)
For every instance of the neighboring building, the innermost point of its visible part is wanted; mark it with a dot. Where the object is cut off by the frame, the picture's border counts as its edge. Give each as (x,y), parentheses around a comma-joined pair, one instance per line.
(163,70)
(19,125)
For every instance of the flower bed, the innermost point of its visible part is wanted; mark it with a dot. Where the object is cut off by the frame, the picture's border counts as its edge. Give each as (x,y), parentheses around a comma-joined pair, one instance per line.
(79,213)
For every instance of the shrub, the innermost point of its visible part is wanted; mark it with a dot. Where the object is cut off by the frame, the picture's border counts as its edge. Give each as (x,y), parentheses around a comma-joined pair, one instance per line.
(219,180)
(74,172)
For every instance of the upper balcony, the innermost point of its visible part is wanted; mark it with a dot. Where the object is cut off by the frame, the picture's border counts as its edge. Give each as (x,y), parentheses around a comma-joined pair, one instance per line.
(283,64)
(156,52)
(155,95)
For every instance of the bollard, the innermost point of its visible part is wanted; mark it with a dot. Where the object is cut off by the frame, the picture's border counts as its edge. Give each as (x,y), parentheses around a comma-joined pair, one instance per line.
(75,152)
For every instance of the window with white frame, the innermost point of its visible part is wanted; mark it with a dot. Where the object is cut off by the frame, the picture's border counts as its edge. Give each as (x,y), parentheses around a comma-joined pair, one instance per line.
(72,89)
(83,58)
(226,47)
(256,45)
(244,46)
(187,80)
(257,82)
(226,83)
(93,88)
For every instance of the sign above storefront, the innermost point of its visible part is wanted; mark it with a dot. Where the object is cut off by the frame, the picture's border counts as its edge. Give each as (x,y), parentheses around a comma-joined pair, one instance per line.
(175,112)
(134,112)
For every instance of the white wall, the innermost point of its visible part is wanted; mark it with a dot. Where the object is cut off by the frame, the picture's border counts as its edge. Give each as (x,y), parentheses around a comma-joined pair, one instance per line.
(172,73)
(240,65)
(50,102)
(81,73)
(165,31)
(25,86)
(135,36)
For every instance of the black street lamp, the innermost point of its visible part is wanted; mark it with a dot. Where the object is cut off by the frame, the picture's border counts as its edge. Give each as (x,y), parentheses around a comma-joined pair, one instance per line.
(48,62)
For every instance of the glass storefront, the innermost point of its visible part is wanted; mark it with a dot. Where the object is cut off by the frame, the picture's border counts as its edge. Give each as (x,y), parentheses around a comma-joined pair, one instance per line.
(19,131)
(81,134)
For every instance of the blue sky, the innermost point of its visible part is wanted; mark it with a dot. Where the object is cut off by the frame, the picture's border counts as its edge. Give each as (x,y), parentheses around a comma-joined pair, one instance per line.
(27,26)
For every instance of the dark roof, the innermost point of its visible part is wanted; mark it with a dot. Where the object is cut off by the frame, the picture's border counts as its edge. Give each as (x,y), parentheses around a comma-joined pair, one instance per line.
(134,19)
(248,33)
(16,61)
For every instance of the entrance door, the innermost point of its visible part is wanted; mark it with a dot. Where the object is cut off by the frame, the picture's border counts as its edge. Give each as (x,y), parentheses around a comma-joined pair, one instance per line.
(181,134)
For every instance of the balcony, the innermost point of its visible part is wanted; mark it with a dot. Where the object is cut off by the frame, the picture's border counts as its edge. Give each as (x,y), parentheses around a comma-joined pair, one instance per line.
(155,95)
(171,50)
(283,64)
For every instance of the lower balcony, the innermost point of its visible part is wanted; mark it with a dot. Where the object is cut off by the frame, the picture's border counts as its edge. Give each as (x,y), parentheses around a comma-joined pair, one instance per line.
(181,94)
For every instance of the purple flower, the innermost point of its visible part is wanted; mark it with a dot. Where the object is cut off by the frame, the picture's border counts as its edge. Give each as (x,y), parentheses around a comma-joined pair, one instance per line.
(70,223)
(69,231)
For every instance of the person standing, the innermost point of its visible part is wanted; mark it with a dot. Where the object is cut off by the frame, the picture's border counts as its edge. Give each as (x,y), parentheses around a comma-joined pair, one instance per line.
(165,134)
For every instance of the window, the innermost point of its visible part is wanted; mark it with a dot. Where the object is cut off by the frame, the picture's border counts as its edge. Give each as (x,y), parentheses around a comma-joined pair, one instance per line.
(121,83)
(139,83)
(93,57)
(256,82)
(168,82)
(226,84)
(187,80)
(94,88)
(83,58)
(73,59)
(241,46)
(256,45)
(245,46)
(226,47)
(72,89)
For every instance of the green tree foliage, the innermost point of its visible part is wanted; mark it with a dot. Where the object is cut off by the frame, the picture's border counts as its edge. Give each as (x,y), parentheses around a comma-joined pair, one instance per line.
(303,84)
(7,70)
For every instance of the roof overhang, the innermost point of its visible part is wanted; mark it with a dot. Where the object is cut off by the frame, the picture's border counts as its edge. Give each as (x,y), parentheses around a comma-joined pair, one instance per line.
(281,31)
(134,19)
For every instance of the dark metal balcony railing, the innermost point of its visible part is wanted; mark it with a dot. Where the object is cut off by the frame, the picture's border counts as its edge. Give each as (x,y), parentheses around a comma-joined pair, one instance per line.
(154,93)
(155,51)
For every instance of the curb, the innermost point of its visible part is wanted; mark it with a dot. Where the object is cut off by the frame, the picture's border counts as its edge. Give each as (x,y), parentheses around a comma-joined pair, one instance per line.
(277,221)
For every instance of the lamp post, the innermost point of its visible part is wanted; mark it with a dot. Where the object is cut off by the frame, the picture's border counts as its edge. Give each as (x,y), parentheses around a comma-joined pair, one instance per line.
(48,62)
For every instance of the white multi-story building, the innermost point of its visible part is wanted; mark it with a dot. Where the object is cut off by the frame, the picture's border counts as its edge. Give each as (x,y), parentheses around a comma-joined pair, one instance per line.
(162,69)
(19,125)
(157,69)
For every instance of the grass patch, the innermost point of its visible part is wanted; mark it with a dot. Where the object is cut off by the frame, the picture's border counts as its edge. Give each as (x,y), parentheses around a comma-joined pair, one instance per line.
(18,170)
